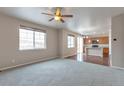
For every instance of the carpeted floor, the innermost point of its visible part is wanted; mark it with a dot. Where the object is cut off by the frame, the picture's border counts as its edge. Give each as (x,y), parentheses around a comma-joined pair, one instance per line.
(62,72)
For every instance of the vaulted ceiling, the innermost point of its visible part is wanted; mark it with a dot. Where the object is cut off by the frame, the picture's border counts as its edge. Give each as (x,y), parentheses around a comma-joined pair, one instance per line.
(87,21)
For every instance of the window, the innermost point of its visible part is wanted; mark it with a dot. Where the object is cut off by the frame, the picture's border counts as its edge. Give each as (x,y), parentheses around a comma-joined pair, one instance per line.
(31,39)
(71,42)
(40,40)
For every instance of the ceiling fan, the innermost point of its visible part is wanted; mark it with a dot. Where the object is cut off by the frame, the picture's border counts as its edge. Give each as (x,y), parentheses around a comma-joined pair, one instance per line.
(58,16)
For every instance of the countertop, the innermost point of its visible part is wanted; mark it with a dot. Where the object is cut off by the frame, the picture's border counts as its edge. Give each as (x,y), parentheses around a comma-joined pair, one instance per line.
(100,46)
(96,47)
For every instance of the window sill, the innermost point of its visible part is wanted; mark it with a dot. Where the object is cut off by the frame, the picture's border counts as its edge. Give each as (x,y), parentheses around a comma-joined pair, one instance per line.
(70,47)
(32,49)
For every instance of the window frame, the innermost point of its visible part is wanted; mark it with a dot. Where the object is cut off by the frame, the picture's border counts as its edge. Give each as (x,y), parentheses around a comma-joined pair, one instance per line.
(34,42)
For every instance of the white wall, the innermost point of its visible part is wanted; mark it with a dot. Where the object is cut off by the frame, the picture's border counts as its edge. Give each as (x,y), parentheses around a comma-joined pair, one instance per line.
(9,43)
(118,46)
(64,51)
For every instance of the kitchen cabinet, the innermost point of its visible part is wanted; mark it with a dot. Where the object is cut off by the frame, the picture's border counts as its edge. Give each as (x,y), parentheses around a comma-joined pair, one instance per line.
(105,52)
(101,40)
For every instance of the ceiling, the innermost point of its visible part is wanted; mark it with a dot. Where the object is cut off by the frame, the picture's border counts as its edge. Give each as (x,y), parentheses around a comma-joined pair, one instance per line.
(87,21)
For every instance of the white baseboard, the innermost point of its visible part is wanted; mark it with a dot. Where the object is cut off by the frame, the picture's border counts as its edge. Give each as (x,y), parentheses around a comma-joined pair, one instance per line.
(117,67)
(69,55)
(27,63)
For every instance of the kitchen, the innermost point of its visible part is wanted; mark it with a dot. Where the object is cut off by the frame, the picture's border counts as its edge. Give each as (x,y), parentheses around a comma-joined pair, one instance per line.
(97,46)
(96,49)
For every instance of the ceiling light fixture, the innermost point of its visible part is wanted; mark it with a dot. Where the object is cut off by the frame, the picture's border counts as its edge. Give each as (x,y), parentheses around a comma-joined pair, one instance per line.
(94,32)
(57,18)
(86,36)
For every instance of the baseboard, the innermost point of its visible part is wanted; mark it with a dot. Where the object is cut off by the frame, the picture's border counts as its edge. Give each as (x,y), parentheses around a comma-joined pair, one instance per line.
(27,63)
(120,68)
(69,55)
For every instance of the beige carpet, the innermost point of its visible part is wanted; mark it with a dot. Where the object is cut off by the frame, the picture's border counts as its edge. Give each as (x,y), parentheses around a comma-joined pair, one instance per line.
(62,72)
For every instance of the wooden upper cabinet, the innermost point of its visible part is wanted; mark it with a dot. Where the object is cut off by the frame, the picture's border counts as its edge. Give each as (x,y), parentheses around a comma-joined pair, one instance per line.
(87,41)
(102,40)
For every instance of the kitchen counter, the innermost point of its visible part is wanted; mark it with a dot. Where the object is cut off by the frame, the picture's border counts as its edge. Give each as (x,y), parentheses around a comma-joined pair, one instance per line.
(95,51)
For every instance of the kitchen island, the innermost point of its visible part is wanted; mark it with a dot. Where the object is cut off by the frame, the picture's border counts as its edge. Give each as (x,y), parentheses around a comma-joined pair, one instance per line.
(95,51)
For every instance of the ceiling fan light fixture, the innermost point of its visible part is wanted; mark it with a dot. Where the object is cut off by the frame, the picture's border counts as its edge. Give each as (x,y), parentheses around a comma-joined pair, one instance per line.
(57,18)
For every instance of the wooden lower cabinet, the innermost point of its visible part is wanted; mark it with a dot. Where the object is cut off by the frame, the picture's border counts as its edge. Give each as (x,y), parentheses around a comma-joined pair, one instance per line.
(105,52)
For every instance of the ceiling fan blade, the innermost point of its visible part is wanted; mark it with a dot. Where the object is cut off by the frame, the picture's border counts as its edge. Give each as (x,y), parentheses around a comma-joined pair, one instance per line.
(51,19)
(48,14)
(67,15)
(62,20)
